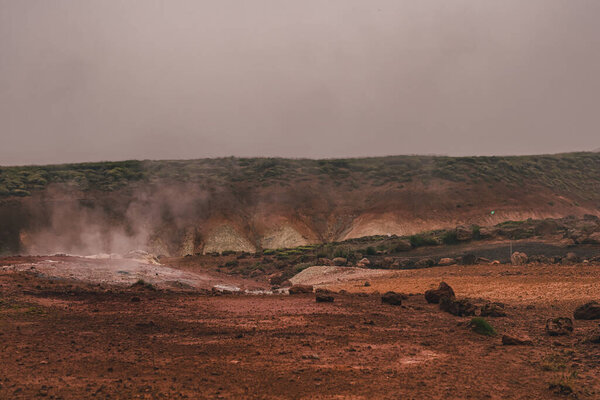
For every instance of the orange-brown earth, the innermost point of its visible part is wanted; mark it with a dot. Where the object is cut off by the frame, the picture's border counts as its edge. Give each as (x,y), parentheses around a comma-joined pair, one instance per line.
(69,340)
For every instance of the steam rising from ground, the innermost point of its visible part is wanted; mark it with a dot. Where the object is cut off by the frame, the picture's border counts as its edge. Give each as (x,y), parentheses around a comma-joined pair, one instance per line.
(114,223)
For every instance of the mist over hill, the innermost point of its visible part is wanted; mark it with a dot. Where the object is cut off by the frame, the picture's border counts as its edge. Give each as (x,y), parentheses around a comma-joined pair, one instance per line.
(206,205)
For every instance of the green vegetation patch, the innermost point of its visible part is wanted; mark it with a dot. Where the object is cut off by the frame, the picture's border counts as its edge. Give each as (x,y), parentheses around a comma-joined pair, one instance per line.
(481,326)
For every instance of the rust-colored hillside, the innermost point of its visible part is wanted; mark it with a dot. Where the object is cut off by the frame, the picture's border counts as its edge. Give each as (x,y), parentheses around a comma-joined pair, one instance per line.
(199,206)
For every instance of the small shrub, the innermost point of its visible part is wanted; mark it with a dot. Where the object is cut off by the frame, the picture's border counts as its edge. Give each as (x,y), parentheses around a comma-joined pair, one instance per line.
(339,252)
(422,240)
(450,237)
(371,251)
(481,326)
(146,285)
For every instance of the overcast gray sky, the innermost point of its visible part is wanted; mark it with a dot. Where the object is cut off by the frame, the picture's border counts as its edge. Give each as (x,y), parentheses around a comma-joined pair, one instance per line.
(111,80)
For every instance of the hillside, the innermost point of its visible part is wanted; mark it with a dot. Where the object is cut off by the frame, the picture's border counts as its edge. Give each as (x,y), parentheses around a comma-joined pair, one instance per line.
(206,205)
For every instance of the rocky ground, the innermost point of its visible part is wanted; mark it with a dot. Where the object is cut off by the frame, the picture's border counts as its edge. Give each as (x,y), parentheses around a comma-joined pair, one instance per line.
(67,339)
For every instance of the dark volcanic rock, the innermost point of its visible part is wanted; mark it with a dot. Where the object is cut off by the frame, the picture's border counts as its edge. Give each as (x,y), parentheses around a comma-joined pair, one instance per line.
(392,298)
(299,289)
(559,326)
(324,298)
(468,259)
(460,308)
(588,311)
(493,310)
(434,295)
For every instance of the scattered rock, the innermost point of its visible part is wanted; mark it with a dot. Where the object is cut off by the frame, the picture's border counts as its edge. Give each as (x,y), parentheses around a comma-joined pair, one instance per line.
(493,310)
(468,259)
(518,258)
(559,326)
(588,311)
(364,262)
(447,261)
(566,242)
(324,298)
(571,258)
(425,263)
(593,238)
(434,295)
(485,233)
(460,308)
(464,233)
(392,298)
(299,289)
(340,261)
(509,340)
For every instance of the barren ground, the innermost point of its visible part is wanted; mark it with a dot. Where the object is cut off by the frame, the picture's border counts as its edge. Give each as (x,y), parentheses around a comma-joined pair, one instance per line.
(70,340)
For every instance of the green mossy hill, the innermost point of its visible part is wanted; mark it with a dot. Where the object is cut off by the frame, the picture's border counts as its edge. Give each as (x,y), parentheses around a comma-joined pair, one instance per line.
(574,172)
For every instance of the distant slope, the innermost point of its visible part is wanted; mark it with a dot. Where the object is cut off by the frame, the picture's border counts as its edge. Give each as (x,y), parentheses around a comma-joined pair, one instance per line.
(180,207)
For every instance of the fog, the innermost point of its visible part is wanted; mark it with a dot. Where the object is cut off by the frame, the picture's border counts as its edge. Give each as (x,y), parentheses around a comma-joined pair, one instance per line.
(111,80)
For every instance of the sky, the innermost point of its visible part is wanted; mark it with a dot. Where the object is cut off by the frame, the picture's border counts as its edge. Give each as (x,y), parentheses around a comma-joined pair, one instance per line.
(177,79)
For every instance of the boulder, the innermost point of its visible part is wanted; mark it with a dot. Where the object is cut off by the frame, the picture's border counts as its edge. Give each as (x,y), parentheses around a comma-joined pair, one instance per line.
(588,311)
(468,259)
(518,258)
(323,298)
(509,340)
(493,310)
(339,261)
(485,233)
(559,326)
(446,261)
(434,295)
(388,262)
(460,308)
(392,298)
(572,257)
(593,238)
(566,242)
(464,233)
(425,263)
(300,289)
(364,262)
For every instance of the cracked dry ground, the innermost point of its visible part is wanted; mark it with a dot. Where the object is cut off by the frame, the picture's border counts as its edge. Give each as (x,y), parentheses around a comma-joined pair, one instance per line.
(69,341)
